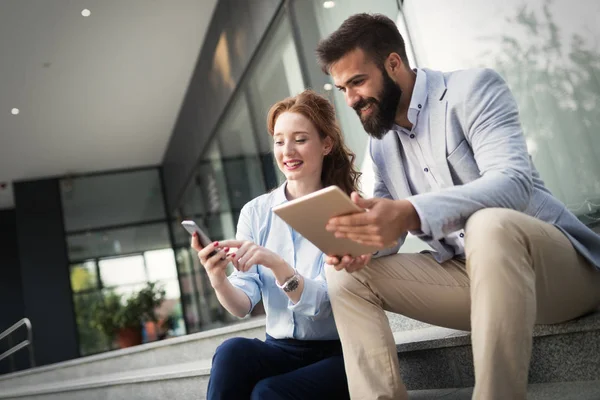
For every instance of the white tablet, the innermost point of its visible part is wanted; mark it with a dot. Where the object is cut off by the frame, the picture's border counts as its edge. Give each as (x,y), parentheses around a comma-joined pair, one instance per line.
(309,214)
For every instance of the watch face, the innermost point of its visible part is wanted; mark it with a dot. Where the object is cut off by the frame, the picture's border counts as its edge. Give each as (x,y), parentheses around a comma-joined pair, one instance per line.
(291,285)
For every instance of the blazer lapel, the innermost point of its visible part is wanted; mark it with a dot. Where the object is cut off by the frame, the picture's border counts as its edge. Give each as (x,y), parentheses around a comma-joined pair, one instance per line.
(437,103)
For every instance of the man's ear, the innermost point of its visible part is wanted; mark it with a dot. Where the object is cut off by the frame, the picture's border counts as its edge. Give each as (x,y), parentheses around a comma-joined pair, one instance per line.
(393,63)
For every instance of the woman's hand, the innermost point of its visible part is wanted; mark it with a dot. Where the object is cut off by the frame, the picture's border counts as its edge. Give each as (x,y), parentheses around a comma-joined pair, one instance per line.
(215,265)
(249,254)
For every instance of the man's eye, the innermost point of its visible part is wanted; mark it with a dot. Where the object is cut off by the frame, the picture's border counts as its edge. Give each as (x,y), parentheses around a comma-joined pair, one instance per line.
(358,82)
(300,140)
(341,89)
(278,143)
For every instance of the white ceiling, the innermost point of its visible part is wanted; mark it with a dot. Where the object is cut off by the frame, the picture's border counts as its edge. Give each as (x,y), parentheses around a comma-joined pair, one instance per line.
(95,93)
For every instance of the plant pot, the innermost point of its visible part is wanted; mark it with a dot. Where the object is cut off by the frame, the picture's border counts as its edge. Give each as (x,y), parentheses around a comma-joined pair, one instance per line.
(127,337)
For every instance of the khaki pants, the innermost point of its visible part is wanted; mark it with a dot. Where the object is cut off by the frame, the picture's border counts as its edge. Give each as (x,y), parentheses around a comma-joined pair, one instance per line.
(519,271)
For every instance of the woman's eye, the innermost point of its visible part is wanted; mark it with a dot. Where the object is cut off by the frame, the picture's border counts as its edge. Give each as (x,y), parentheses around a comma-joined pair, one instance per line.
(278,143)
(300,140)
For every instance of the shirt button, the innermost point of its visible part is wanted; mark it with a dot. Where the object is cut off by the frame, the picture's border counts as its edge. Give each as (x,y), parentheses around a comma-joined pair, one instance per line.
(419,106)
(412,135)
(462,235)
(426,169)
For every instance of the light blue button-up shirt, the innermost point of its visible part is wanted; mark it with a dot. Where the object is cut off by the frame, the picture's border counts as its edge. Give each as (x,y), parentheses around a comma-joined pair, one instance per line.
(309,319)
(417,159)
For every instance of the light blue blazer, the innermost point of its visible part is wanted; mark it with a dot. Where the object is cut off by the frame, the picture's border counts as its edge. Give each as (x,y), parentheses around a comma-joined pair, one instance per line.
(480,151)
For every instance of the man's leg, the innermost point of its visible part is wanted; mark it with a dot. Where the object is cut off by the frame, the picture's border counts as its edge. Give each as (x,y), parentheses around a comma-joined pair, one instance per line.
(414,285)
(503,249)
(523,271)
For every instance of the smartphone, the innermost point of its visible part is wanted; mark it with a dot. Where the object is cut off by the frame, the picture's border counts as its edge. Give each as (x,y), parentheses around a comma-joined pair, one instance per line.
(192,227)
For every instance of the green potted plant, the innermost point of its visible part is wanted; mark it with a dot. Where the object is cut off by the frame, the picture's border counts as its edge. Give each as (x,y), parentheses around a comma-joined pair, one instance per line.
(123,318)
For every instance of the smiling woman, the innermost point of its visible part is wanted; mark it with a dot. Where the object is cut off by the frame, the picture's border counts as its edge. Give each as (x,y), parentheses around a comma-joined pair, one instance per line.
(308,144)
(279,266)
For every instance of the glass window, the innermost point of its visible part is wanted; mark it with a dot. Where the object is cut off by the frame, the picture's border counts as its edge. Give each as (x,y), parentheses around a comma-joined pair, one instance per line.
(160,265)
(91,340)
(238,166)
(122,271)
(552,66)
(328,20)
(239,151)
(274,76)
(114,242)
(112,199)
(84,276)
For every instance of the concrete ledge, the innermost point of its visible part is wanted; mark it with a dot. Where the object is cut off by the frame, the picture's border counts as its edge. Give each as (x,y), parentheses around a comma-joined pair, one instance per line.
(587,390)
(173,351)
(187,370)
(435,337)
(438,358)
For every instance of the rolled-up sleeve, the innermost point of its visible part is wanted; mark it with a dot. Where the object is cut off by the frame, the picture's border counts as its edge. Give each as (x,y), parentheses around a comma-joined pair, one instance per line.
(314,301)
(248,282)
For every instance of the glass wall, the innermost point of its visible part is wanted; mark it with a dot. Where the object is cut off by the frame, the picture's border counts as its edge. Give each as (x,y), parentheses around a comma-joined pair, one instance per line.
(549,54)
(328,20)
(237,166)
(117,241)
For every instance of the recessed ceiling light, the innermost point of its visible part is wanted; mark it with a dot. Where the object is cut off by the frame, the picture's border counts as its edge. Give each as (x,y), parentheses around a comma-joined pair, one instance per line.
(328,86)
(15,111)
(329,4)
(85,12)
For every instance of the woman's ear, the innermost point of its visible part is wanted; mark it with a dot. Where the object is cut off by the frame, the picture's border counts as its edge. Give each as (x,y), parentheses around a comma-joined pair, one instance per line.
(327,145)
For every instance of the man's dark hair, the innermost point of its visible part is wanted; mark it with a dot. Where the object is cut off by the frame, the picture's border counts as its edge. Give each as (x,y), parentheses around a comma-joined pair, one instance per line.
(375,34)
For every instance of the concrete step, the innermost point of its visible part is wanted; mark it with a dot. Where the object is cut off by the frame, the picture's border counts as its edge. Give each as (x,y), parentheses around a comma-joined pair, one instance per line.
(431,358)
(439,358)
(585,390)
(175,351)
(185,381)
(190,381)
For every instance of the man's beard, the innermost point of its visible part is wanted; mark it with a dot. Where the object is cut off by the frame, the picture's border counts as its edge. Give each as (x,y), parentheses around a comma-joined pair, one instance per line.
(383,111)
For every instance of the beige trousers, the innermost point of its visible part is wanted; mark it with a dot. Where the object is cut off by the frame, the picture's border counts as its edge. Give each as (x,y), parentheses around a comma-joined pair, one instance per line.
(519,271)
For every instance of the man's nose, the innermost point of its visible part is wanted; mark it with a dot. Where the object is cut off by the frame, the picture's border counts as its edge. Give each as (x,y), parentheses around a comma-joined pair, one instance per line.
(352,98)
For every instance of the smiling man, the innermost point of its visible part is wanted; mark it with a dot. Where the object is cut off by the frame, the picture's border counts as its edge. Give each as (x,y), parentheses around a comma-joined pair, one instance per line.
(451,167)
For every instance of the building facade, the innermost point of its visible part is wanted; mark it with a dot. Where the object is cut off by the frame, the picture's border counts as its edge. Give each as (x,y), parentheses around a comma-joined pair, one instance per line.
(115,231)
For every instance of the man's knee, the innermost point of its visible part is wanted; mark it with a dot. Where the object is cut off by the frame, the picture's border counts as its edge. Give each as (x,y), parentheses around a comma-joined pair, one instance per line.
(489,226)
(340,283)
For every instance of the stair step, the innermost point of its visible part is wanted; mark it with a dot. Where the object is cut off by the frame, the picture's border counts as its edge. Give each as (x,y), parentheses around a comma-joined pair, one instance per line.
(585,390)
(439,358)
(180,350)
(190,380)
(187,379)
(434,361)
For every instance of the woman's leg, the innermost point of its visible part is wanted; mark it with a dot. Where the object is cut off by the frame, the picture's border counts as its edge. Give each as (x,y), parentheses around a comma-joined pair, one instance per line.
(325,379)
(239,363)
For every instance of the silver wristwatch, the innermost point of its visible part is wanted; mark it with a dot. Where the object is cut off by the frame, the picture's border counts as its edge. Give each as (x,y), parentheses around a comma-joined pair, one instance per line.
(290,284)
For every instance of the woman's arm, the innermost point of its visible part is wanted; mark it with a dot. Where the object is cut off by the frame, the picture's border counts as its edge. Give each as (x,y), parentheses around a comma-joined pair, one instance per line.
(233,299)
(309,299)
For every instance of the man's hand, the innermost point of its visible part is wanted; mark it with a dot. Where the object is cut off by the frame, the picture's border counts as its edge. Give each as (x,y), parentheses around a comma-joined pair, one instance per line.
(348,263)
(381,226)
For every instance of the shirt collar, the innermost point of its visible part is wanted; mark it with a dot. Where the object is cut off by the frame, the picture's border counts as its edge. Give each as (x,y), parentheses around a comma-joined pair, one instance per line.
(279,195)
(418,98)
